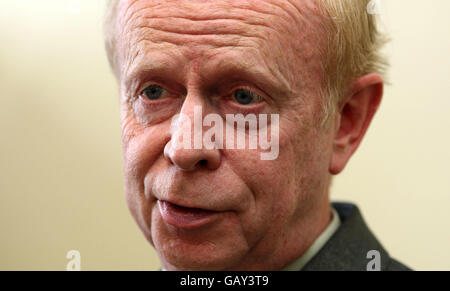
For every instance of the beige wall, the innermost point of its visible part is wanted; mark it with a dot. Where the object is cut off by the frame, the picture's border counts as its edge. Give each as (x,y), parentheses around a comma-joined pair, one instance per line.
(60,156)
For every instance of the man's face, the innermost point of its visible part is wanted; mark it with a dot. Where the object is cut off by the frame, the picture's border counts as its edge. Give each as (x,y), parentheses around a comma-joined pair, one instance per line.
(227,57)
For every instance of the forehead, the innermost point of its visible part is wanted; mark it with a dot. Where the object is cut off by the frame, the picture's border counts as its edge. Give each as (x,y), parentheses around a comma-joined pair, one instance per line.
(282,35)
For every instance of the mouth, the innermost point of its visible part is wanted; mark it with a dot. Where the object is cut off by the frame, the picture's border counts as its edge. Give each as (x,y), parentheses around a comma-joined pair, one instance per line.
(185,217)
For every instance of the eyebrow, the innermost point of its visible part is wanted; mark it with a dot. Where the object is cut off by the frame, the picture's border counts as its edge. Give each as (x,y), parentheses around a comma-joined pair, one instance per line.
(149,66)
(266,78)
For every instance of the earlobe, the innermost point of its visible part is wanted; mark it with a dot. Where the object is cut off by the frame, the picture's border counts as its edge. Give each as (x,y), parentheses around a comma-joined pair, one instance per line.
(355,113)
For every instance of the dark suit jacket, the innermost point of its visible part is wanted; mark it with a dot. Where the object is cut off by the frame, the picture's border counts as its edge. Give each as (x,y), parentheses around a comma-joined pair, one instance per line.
(347,248)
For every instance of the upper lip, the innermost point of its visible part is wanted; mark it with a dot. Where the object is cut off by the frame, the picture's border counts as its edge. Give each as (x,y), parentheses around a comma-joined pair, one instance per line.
(188,206)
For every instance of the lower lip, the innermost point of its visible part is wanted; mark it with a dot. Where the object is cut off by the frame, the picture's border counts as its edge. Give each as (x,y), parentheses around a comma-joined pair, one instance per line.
(182,217)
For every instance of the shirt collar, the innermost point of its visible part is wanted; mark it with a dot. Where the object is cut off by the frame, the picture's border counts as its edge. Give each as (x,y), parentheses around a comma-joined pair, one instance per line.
(321,240)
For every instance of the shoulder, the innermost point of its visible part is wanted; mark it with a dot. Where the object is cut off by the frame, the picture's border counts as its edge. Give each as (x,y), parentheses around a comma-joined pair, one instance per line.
(352,245)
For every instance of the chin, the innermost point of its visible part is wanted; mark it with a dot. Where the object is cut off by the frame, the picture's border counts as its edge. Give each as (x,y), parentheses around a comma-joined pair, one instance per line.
(202,257)
(206,250)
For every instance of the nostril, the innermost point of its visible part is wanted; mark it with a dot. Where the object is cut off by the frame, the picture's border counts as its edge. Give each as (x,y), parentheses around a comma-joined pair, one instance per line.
(202,163)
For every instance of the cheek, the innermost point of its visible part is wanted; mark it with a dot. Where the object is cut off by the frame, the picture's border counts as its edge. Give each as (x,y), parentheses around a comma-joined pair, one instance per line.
(290,181)
(310,149)
(271,185)
(142,147)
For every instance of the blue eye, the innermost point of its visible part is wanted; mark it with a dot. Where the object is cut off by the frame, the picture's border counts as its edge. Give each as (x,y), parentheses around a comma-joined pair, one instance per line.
(153,92)
(245,97)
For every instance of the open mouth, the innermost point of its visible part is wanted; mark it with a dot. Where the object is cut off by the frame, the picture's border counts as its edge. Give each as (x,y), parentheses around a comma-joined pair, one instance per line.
(185,217)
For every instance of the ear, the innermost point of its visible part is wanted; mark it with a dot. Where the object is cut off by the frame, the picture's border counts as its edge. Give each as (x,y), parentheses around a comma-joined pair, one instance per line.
(355,112)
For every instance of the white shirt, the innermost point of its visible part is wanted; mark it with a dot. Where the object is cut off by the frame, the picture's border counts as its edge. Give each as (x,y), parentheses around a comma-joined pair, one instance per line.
(317,245)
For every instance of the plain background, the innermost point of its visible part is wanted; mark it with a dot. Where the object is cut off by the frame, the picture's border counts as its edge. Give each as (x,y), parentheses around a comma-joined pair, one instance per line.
(61,182)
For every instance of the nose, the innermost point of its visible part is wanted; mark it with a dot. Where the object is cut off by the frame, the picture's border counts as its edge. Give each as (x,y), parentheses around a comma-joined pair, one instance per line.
(191,159)
(186,155)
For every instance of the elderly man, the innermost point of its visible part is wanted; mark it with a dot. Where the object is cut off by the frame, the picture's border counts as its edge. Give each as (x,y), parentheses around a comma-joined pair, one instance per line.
(312,69)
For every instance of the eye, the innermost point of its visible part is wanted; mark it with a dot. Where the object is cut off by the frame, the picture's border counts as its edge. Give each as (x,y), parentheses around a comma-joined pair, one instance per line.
(153,92)
(245,97)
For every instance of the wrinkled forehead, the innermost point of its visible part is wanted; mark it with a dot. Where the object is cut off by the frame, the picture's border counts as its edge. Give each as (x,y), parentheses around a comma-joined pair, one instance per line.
(281,33)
